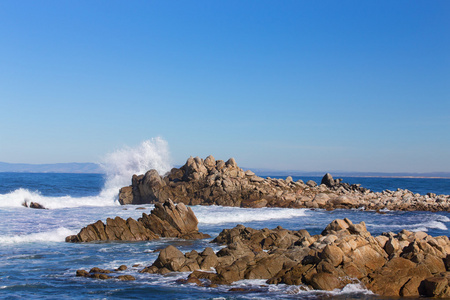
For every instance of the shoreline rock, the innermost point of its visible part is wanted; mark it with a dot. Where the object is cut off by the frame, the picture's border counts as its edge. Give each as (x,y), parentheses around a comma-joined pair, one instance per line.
(34,205)
(215,182)
(165,220)
(407,264)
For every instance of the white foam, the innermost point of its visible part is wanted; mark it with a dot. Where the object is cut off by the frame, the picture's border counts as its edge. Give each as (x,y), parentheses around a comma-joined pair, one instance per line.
(22,196)
(119,167)
(221,215)
(425,226)
(58,235)
(443,218)
(354,288)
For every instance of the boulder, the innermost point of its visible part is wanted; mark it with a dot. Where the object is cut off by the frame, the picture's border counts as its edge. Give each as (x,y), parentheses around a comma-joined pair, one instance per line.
(328,180)
(170,258)
(436,286)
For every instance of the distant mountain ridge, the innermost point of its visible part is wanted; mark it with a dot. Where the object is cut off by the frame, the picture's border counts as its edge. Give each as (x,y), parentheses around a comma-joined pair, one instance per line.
(97,169)
(51,168)
(336,174)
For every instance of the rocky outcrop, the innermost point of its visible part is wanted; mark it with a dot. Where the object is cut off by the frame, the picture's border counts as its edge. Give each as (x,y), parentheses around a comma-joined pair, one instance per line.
(97,273)
(392,265)
(215,182)
(165,220)
(33,205)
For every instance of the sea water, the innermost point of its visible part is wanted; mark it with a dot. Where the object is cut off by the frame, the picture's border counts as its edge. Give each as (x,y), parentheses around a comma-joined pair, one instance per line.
(35,262)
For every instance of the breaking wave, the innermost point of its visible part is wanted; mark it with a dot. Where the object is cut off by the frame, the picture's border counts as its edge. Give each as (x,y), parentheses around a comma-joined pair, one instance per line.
(119,167)
(57,235)
(425,225)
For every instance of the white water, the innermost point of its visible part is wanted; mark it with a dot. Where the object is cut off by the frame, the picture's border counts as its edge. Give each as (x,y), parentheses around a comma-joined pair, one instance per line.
(221,215)
(421,226)
(57,235)
(119,167)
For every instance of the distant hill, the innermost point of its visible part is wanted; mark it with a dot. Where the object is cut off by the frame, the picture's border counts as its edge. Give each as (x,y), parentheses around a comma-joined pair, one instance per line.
(95,168)
(51,168)
(337,174)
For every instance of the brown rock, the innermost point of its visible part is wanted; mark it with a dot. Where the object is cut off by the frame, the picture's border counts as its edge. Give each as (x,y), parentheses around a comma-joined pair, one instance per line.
(122,268)
(325,281)
(126,195)
(126,277)
(436,287)
(391,278)
(336,225)
(332,254)
(36,205)
(82,273)
(166,220)
(170,258)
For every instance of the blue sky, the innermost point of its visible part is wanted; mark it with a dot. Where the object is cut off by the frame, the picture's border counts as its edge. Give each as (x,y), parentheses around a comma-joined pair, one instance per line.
(290,85)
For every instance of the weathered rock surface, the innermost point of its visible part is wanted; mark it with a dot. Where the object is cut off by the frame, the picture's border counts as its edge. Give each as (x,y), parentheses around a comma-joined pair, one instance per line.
(392,265)
(165,220)
(215,182)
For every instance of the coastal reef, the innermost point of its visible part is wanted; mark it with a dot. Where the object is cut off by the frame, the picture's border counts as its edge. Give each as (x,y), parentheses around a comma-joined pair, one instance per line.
(165,220)
(406,264)
(215,182)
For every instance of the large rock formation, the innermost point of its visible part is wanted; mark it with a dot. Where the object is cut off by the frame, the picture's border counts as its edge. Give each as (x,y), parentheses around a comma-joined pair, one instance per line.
(392,265)
(165,220)
(211,182)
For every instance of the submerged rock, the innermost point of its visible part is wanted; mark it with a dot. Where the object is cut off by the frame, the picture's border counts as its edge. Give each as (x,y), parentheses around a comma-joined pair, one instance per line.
(97,273)
(165,220)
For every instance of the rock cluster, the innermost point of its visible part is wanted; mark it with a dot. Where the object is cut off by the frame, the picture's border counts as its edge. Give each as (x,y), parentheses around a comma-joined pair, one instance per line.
(97,273)
(403,264)
(215,182)
(165,220)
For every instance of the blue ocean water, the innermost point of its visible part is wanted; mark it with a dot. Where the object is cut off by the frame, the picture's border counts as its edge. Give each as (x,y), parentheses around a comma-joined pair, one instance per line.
(36,263)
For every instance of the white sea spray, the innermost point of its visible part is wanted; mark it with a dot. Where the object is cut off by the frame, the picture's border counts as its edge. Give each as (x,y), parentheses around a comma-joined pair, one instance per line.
(119,168)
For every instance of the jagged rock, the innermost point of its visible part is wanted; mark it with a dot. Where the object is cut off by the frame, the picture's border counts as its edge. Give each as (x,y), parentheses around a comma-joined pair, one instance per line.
(97,273)
(126,195)
(329,181)
(170,220)
(34,205)
(344,253)
(215,182)
(165,220)
(437,286)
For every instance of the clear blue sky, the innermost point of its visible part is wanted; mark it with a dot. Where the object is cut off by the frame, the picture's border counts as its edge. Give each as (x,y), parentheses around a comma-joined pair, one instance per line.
(299,85)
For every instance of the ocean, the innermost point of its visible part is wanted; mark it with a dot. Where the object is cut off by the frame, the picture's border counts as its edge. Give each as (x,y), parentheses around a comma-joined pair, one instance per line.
(36,263)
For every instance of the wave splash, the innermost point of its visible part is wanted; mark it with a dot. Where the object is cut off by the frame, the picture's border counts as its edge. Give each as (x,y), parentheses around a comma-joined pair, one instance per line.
(57,235)
(119,167)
